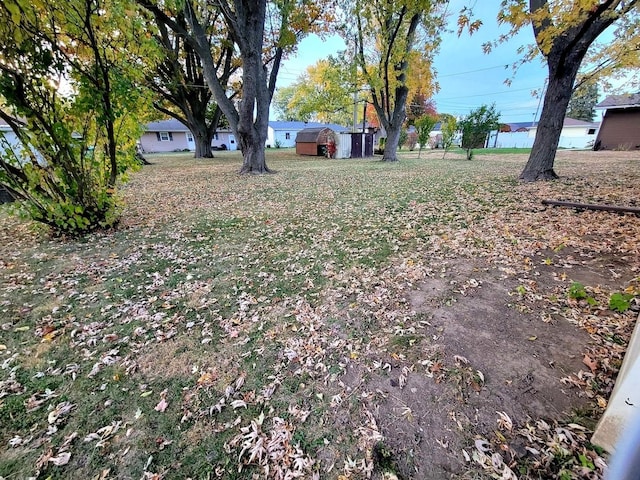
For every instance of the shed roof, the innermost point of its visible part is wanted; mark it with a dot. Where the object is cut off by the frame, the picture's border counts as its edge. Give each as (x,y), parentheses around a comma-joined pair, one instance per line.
(312,135)
(625,100)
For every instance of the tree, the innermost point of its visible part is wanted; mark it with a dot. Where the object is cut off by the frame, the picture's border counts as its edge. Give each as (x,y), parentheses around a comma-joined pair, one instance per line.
(76,144)
(248,24)
(178,79)
(403,137)
(418,106)
(424,125)
(387,35)
(582,103)
(449,127)
(281,102)
(476,126)
(564,32)
(324,93)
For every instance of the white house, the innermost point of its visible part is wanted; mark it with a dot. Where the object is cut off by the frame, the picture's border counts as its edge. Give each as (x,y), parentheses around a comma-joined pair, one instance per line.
(8,139)
(283,134)
(173,136)
(575,134)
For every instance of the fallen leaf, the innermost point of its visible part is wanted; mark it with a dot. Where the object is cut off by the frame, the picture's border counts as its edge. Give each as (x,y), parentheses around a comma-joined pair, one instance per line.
(161,406)
(589,362)
(61,459)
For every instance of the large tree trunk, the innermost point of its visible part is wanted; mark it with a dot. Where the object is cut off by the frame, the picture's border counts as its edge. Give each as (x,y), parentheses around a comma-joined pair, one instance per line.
(203,145)
(545,145)
(397,120)
(391,145)
(202,132)
(253,110)
(253,152)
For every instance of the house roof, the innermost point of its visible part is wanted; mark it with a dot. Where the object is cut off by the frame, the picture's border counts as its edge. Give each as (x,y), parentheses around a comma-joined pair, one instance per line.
(572,122)
(173,125)
(169,125)
(620,101)
(291,126)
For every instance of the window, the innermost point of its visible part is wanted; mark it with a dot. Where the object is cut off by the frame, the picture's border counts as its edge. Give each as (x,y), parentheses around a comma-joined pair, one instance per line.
(592,131)
(189,137)
(215,137)
(164,137)
(287,136)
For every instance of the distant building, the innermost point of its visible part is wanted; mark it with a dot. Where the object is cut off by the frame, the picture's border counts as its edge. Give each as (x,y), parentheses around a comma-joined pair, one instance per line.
(620,129)
(173,136)
(282,134)
(575,134)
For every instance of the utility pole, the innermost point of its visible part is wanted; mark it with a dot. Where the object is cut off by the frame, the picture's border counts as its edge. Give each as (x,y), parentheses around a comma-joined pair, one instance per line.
(355,91)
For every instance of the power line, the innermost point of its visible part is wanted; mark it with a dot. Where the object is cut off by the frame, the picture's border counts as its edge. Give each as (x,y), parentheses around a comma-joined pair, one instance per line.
(489,93)
(473,71)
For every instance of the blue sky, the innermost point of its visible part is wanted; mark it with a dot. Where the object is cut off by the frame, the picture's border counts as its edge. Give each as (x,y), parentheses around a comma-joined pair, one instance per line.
(468,78)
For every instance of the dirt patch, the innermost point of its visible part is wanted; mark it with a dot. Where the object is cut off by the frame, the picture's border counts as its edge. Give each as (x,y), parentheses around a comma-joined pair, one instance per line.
(491,357)
(606,270)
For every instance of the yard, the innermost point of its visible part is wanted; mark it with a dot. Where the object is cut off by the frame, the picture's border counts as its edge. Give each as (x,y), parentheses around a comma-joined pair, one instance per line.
(341,319)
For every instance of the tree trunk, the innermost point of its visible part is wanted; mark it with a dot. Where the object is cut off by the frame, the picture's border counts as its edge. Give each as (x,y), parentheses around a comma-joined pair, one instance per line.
(203,146)
(391,145)
(253,152)
(556,100)
(252,126)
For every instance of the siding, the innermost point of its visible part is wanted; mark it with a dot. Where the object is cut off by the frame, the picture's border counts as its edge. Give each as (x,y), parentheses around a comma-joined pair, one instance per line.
(150,143)
(620,129)
(225,138)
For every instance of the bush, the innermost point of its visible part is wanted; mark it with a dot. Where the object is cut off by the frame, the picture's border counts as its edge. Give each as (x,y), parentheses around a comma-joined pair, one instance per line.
(71,196)
(74,147)
(476,126)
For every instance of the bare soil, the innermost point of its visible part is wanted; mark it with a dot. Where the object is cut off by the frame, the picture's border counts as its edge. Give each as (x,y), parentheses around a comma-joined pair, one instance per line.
(496,356)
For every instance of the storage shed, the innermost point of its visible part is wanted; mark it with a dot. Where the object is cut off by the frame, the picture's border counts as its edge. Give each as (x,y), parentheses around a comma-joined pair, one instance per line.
(620,128)
(314,141)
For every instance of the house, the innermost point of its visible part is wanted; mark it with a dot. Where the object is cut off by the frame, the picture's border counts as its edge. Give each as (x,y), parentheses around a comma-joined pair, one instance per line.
(173,136)
(282,134)
(620,129)
(435,137)
(575,134)
(8,139)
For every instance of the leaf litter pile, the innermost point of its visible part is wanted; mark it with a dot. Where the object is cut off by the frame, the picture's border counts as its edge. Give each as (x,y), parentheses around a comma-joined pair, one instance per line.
(341,319)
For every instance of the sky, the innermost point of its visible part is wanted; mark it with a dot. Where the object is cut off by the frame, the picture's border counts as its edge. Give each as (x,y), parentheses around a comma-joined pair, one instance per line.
(468,78)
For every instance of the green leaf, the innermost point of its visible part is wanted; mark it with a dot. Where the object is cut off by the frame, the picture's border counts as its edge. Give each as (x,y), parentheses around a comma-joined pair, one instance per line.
(620,302)
(577,291)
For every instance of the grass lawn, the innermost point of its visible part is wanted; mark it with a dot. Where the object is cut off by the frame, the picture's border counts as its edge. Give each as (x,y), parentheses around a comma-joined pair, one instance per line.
(305,324)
